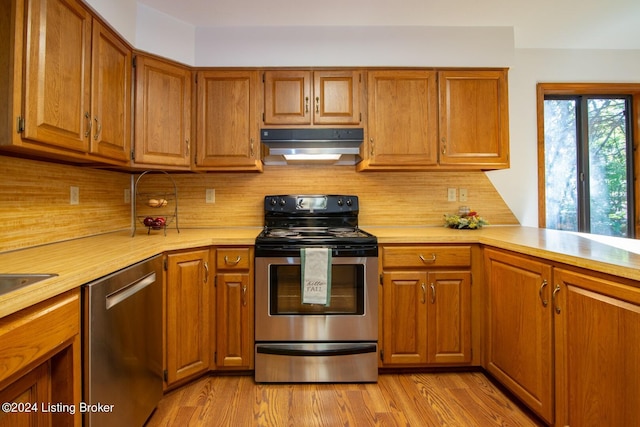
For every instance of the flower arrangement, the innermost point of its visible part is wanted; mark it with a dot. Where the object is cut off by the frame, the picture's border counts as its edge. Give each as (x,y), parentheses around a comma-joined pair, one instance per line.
(469,220)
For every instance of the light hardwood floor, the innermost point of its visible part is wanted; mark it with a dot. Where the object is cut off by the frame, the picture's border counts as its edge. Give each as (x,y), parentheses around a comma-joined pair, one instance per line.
(461,399)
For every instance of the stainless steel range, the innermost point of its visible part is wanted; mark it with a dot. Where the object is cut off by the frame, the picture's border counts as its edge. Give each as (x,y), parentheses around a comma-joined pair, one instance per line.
(316,292)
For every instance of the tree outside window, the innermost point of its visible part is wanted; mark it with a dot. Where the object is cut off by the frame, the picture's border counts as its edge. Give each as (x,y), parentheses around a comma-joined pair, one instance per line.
(587,175)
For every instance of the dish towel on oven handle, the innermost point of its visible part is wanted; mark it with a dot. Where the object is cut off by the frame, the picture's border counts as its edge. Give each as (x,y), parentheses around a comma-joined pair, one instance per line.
(316,275)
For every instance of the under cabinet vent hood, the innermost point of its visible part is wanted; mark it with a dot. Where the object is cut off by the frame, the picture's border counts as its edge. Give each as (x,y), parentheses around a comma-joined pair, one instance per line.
(294,146)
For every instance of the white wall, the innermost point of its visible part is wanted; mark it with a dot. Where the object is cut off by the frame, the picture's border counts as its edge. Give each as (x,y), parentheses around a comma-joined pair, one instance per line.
(518,185)
(120,14)
(164,35)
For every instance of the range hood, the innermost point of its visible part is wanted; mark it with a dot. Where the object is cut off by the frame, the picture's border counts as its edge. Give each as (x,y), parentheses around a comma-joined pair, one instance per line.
(311,145)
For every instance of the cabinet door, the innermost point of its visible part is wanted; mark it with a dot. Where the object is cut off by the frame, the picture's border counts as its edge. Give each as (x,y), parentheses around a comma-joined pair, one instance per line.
(188,314)
(336,97)
(474,124)
(228,136)
(597,331)
(402,119)
(404,318)
(110,96)
(519,328)
(163,113)
(234,321)
(57,74)
(32,392)
(287,97)
(449,317)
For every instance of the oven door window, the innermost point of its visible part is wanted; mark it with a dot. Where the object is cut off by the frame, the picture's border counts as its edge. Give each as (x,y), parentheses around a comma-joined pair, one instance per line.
(347,291)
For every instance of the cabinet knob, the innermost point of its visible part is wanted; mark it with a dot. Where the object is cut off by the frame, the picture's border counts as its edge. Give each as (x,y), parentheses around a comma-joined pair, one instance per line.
(317,104)
(306,104)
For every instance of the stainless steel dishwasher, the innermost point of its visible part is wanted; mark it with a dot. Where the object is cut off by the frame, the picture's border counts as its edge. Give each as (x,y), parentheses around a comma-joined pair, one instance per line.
(122,352)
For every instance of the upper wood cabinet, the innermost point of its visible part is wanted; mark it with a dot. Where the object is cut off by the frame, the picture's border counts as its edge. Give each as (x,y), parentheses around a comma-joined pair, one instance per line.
(110,95)
(162,113)
(227,119)
(69,83)
(303,97)
(431,120)
(402,120)
(474,118)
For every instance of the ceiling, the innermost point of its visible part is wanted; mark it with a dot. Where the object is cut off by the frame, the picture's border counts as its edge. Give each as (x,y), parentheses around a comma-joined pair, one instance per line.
(568,24)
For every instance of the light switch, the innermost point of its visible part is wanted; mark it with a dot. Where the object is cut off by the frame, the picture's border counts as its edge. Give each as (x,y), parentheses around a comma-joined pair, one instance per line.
(451,195)
(211,195)
(74,196)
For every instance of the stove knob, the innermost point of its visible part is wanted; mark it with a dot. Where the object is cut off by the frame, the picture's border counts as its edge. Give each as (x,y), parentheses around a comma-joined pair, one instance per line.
(283,202)
(340,202)
(349,202)
(273,202)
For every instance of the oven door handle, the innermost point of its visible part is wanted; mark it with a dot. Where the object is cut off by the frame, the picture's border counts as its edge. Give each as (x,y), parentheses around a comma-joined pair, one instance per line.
(297,350)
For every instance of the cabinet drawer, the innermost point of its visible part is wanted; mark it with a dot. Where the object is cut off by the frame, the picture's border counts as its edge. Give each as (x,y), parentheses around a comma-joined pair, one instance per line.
(30,334)
(426,256)
(233,258)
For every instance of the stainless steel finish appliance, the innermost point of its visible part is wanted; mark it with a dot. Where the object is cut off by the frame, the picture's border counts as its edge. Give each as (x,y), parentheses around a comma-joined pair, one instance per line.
(298,342)
(337,146)
(122,354)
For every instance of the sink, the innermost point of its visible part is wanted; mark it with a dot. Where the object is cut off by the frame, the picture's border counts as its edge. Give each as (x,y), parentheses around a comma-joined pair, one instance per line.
(11,282)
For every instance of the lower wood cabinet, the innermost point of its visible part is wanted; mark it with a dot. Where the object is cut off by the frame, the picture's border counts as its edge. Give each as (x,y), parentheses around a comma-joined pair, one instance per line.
(209,311)
(426,305)
(519,330)
(564,340)
(189,315)
(597,350)
(234,306)
(40,363)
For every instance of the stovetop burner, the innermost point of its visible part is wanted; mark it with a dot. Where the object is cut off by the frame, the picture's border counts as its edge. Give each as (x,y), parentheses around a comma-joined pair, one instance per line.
(293,222)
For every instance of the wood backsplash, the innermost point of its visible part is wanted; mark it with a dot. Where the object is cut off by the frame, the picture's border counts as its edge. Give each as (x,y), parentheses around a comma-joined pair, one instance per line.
(386,198)
(35,209)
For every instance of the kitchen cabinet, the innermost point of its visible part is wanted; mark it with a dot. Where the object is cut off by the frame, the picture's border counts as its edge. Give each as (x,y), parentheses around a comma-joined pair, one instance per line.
(474,118)
(68,86)
(597,357)
(426,305)
(227,121)
(402,120)
(436,120)
(40,361)
(111,71)
(163,105)
(519,329)
(320,97)
(234,289)
(189,314)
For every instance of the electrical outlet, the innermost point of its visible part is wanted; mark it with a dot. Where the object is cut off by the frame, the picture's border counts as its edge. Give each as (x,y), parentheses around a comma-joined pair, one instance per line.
(74,195)
(127,196)
(451,195)
(211,195)
(463,194)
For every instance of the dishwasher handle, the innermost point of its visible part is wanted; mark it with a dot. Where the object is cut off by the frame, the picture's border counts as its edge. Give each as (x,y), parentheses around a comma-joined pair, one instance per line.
(132,288)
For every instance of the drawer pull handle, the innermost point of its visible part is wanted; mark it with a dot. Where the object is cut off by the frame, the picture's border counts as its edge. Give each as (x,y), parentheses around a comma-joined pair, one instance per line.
(206,272)
(226,260)
(553,297)
(544,301)
(433,293)
(424,293)
(430,260)
(244,295)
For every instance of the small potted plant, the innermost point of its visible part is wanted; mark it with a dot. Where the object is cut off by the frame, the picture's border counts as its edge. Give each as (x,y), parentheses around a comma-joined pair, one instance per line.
(465,219)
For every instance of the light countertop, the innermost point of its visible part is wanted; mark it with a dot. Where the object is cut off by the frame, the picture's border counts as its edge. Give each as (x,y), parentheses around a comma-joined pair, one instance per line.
(82,260)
